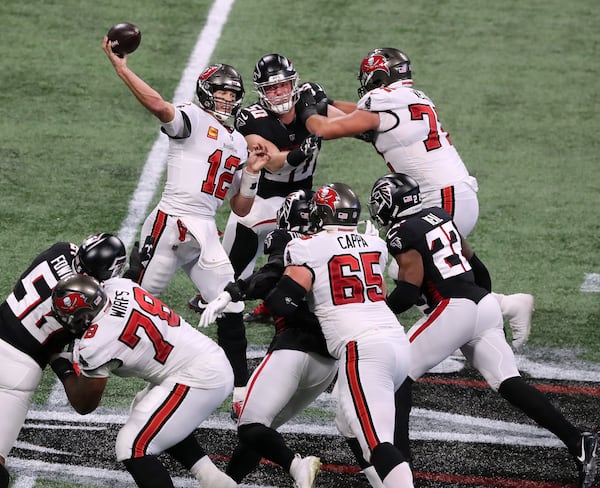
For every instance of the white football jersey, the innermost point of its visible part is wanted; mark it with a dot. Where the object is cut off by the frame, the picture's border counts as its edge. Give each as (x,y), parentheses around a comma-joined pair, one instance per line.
(348,289)
(140,336)
(411,139)
(203,164)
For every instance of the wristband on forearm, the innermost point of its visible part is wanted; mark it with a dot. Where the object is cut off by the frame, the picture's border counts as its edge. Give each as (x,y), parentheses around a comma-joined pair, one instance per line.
(63,368)
(249,184)
(295,157)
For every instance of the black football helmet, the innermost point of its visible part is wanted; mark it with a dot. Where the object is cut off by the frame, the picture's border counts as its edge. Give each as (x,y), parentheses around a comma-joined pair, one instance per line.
(393,196)
(270,70)
(294,213)
(102,256)
(381,67)
(220,77)
(76,301)
(334,204)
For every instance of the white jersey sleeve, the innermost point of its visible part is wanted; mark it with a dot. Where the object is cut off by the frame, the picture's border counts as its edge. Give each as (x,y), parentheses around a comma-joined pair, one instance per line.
(203,162)
(139,336)
(411,138)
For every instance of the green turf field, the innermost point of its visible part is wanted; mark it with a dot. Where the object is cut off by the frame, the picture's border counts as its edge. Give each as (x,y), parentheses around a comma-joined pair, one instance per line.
(516,85)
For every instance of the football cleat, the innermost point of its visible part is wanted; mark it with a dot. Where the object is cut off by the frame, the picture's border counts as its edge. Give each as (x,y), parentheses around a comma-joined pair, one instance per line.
(260,314)
(587,459)
(197,303)
(304,470)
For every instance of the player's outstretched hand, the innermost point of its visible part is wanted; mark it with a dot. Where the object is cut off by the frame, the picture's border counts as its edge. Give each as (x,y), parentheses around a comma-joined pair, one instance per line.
(257,159)
(214,309)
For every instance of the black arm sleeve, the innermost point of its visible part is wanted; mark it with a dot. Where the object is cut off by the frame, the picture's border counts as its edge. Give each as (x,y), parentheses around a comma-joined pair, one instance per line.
(482,275)
(286,297)
(404,296)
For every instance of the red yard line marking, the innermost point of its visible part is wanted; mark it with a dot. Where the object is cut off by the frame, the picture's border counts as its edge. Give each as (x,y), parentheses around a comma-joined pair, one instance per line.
(439,477)
(564,389)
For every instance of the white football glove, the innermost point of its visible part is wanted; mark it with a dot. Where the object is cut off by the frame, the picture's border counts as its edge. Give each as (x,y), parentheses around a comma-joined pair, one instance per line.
(214,309)
(370,228)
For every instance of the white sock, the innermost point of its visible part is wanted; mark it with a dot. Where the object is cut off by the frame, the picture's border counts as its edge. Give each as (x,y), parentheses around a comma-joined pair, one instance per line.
(399,477)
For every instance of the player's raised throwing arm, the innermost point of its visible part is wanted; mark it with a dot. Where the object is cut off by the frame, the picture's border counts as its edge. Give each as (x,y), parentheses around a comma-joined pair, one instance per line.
(146,95)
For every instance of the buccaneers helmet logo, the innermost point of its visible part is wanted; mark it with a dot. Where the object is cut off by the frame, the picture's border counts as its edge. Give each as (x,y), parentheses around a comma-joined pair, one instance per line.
(327,196)
(373,63)
(70,303)
(208,72)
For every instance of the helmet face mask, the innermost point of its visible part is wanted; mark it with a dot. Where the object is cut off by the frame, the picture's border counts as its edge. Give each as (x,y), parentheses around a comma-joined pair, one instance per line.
(102,256)
(294,214)
(382,67)
(334,204)
(76,301)
(220,77)
(392,197)
(276,82)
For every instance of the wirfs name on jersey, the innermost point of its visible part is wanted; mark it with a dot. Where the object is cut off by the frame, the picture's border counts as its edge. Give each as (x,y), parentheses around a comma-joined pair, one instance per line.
(120,303)
(351,241)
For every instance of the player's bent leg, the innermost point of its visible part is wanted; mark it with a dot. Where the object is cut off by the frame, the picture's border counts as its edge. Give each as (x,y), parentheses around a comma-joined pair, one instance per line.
(148,472)
(267,442)
(537,407)
(243,461)
(391,466)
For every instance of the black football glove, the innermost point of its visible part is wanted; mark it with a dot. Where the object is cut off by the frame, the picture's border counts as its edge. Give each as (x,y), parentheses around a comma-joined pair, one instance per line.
(138,259)
(306,106)
(319,94)
(305,152)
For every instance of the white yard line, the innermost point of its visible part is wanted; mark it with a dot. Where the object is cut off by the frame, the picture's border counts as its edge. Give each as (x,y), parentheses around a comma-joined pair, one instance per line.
(591,283)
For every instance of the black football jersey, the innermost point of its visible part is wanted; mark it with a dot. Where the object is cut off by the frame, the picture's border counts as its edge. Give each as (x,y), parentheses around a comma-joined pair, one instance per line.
(301,331)
(255,119)
(447,273)
(25,316)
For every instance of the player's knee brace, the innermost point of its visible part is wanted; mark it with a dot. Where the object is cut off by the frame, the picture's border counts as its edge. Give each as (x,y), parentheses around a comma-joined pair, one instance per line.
(148,472)
(386,457)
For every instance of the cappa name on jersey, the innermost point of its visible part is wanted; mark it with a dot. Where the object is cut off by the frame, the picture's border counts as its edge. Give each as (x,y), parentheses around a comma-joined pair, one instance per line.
(119,304)
(351,240)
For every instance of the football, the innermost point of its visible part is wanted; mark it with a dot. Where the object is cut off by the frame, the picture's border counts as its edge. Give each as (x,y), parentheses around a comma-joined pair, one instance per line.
(124,37)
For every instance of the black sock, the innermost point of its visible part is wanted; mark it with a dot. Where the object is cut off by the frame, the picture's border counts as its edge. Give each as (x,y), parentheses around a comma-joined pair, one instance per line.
(267,442)
(536,406)
(386,457)
(243,461)
(148,472)
(403,401)
(243,250)
(187,452)
(231,336)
